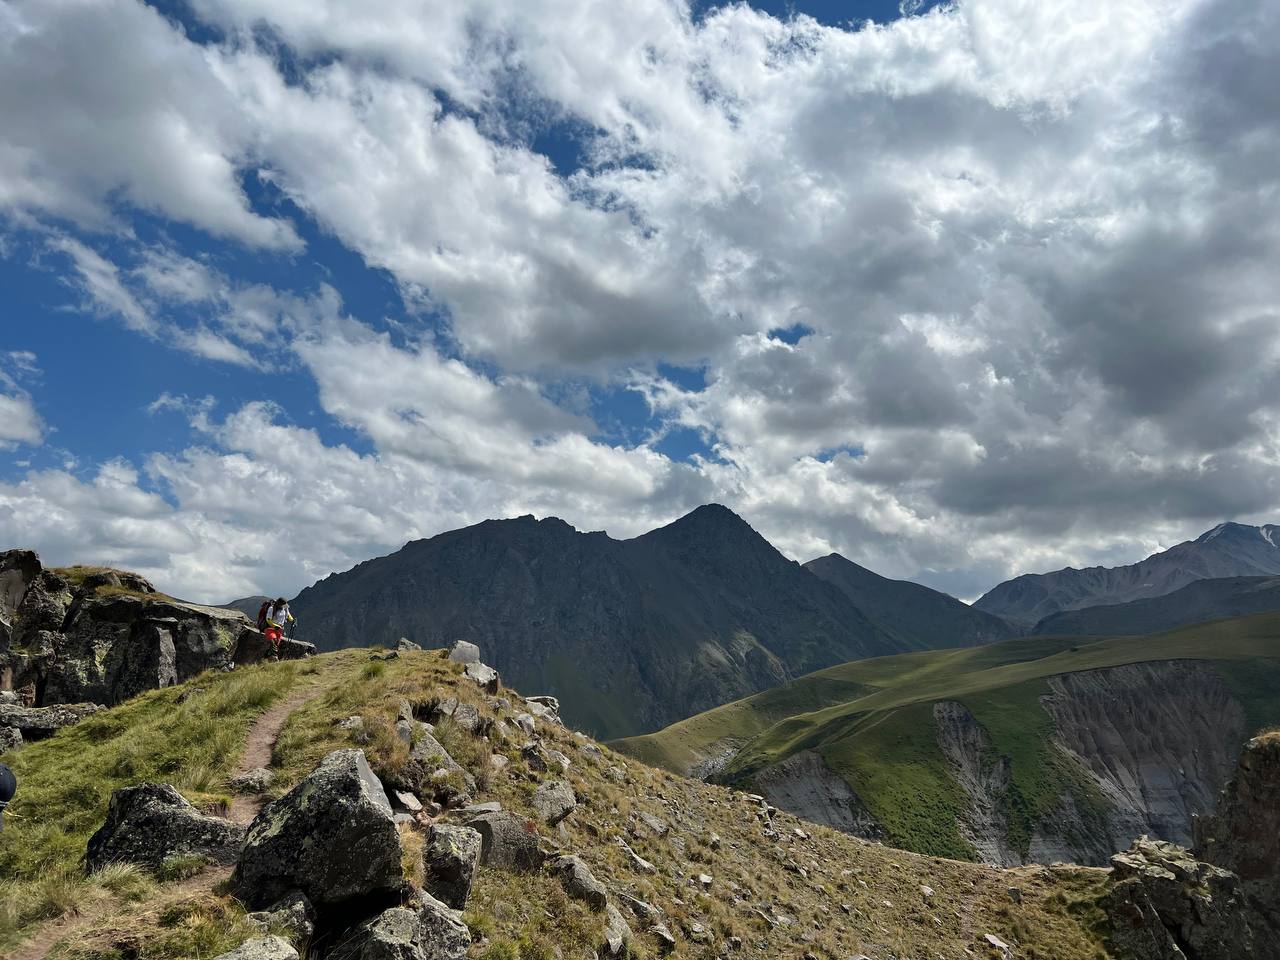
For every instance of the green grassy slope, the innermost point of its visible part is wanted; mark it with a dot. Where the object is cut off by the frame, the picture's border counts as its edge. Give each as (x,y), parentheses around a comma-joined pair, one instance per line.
(871,722)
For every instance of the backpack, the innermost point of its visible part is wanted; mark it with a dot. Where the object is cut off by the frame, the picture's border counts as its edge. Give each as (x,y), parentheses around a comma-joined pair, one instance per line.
(262,614)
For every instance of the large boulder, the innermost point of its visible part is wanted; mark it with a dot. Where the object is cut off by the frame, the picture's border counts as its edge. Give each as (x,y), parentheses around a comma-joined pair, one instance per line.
(1164,904)
(554,800)
(450,860)
(428,930)
(150,823)
(579,882)
(507,842)
(36,723)
(332,837)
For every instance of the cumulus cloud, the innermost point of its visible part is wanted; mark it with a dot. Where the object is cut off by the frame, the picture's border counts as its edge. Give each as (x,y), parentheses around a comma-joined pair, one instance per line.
(1029,248)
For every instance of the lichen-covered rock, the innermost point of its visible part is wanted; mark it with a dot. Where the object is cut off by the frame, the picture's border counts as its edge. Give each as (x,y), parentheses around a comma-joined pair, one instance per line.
(507,842)
(554,800)
(484,675)
(292,913)
(426,756)
(39,722)
(332,837)
(149,823)
(104,636)
(10,739)
(262,948)
(405,645)
(427,931)
(579,882)
(450,861)
(1164,904)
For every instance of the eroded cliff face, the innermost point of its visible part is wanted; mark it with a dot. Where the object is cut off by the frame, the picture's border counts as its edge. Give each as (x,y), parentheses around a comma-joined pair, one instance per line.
(803,784)
(983,775)
(1158,739)
(1137,750)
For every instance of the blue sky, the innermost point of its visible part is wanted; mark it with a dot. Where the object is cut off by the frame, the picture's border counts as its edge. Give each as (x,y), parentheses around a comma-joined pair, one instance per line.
(284,290)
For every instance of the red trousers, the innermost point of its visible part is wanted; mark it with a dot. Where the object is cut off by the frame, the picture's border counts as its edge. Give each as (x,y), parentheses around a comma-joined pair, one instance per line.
(273,634)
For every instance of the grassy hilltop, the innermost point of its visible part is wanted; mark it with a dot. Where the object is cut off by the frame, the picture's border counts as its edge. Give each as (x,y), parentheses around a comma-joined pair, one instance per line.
(871,721)
(782,887)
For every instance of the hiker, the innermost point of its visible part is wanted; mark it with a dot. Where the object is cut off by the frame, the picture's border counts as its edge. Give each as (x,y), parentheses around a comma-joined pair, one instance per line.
(272,619)
(8,787)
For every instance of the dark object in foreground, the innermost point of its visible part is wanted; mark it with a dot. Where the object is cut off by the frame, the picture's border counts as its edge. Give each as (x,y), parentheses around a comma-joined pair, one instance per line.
(8,787)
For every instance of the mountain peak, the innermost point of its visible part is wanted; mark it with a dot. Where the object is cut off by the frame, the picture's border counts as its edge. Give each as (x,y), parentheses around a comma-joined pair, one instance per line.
(1234,530)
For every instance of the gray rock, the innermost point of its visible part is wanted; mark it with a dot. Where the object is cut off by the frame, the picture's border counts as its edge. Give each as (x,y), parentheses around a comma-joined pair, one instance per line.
(253,781)
(332,837)
(430,932)
(637,861)
(468,718)
(10,739)
(656,825)
(404,730)
(489,806)
(149,823)
(292,913)
(263,948)
(507,842)
(1158,889)
(405,645)
(554,800)
(426,756)
(616,932)
(666,940)
(550,703)
(8,696)
(526,722)
(558,759)
(450,861)
(36,723)
(484,675)
(541,710)
(464,652)
(579,882)
(408,801)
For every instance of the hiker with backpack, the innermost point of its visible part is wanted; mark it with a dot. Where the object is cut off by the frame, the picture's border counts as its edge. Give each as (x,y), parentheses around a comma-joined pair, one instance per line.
(273,617)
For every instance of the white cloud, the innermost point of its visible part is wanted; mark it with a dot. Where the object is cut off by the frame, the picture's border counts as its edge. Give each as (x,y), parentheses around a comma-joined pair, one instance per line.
(1035,243)
(104,98)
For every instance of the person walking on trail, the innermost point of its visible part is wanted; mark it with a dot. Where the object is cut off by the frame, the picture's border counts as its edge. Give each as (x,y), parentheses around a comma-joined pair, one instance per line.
(273,618)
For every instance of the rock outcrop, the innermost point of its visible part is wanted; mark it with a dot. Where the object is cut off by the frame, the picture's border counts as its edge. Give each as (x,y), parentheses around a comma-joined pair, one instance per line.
(333,837)
(1244,835)
(1164,904)
(36,723)
(150,823)
(101,636)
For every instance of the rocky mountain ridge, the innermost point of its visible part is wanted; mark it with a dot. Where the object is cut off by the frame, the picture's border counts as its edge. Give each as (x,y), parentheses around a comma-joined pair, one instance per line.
(630,634)
(1228,550)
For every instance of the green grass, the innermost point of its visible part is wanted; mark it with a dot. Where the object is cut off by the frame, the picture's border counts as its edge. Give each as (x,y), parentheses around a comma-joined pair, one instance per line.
(66,781)
(900,773)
